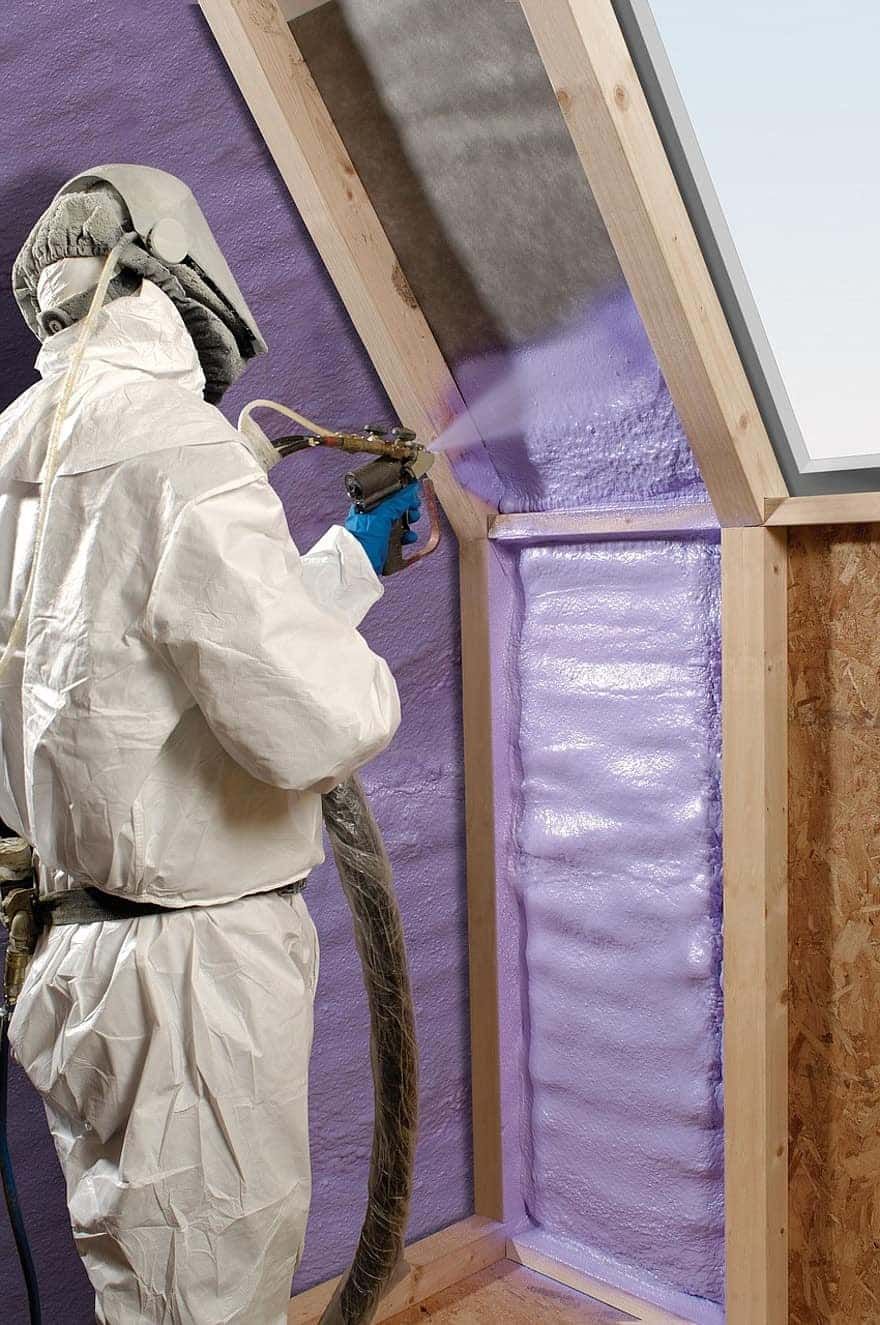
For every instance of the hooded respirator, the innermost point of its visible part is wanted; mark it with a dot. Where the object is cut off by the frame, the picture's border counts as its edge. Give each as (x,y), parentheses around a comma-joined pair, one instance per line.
(169,243)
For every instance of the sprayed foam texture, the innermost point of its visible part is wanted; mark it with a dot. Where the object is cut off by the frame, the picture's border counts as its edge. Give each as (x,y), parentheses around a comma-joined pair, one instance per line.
(617,871)
(477,183)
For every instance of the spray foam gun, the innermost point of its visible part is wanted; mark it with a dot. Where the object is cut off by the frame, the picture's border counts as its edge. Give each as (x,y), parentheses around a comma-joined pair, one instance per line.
(400,460)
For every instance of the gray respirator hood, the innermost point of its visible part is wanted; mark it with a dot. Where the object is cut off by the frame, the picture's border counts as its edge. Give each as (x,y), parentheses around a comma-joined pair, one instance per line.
(172,246)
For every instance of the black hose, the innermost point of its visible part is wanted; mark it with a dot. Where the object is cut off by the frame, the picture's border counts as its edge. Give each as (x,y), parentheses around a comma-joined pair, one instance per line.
(10,1191)
(295,442)
(365,874)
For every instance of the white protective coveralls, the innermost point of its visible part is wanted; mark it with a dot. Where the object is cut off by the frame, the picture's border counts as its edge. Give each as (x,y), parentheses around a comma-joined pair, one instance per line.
(188,686)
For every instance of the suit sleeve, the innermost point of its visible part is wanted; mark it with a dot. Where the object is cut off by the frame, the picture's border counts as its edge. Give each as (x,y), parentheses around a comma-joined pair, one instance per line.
(338,575)
(291,691)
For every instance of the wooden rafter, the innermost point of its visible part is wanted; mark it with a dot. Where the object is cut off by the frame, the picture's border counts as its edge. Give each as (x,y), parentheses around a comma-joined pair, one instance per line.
(610,123)
(296,124)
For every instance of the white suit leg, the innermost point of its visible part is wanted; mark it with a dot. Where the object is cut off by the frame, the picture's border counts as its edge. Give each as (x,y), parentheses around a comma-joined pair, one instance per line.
(172,1055)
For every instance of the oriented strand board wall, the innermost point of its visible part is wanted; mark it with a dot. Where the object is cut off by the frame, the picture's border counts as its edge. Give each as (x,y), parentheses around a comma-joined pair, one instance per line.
(834,612)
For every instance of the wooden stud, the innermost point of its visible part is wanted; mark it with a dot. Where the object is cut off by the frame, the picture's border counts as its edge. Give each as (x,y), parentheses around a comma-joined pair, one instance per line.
(432,1265)
(755,801)
(572,526)
(293,119)
(601,98)
(476,677)
(833,508)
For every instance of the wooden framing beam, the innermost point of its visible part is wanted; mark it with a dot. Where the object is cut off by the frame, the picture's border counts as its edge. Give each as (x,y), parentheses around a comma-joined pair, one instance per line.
(476,684)
(296,8)
(574,526)
(295,122)
(755,809)
(833,508)
(608,117)
(433,1264)
(525,1250)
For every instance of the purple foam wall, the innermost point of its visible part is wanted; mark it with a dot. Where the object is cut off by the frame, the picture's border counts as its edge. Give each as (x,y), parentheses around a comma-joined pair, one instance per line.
(85,83)
(578,417)
(617,871)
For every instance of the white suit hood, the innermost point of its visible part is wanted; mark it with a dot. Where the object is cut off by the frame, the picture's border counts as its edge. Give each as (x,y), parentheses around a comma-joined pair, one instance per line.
(140,340)
(189,682)
(143,334)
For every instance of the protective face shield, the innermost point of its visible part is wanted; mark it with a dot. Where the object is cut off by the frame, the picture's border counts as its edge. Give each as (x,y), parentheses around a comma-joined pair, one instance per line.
(168,219)
(171,245)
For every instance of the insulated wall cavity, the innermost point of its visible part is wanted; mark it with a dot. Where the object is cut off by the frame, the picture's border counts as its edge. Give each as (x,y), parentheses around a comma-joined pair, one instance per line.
(615,862)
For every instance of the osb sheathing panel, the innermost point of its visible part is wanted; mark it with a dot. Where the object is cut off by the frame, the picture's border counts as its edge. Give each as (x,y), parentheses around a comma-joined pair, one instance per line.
(834,629)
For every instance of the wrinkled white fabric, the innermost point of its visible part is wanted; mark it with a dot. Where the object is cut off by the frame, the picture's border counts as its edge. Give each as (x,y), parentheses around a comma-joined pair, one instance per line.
(64,279)
(188,684)
(183,696)
(172,1056)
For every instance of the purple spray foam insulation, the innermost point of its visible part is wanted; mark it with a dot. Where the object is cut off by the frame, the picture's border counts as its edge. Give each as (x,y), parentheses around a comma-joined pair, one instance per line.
(614,857)
(580,417)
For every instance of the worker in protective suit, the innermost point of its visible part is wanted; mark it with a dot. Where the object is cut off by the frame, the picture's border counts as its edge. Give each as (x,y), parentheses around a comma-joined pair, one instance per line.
(183,687)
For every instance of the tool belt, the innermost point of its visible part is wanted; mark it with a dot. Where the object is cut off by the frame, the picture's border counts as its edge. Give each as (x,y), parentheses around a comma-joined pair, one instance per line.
(26,914)
(89,906)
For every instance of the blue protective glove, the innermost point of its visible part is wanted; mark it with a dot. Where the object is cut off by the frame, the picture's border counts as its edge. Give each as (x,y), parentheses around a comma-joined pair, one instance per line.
(372,529)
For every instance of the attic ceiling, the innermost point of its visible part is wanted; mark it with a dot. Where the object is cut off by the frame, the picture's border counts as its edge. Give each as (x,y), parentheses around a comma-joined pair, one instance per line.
(447,112)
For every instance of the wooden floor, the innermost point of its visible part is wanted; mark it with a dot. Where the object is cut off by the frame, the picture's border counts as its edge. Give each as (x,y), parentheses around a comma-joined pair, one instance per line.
(508,1294)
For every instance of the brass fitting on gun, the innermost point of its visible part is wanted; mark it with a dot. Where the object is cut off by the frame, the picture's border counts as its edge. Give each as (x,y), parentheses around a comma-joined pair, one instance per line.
(401,445)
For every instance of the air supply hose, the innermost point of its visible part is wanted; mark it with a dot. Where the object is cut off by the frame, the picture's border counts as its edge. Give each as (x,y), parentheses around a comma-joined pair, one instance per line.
(10,1191)
(365,873)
